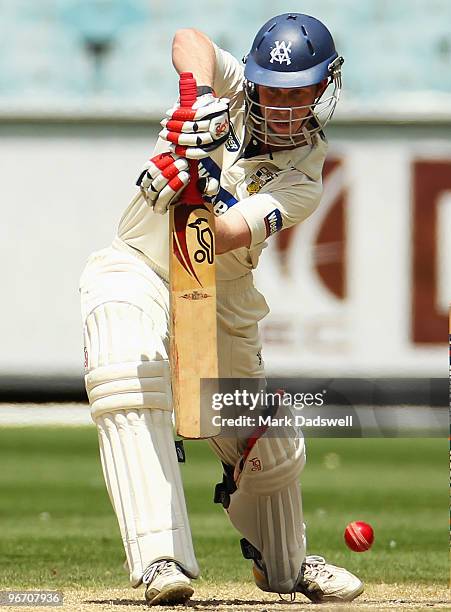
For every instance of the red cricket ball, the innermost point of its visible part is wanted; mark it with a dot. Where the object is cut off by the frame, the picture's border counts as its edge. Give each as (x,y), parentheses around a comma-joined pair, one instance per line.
(359,536)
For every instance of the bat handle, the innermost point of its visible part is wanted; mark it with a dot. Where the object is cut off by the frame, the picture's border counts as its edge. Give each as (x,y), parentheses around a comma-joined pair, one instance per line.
(188,95)
(188,89)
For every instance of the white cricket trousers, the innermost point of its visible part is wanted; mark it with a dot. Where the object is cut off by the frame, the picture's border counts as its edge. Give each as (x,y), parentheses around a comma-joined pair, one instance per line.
(125,313)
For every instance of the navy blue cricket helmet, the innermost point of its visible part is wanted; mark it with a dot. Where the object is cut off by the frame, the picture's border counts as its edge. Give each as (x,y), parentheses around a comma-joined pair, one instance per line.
(289,51)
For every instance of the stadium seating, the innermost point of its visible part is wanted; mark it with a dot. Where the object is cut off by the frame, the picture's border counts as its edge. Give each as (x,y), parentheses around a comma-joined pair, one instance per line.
(115,54)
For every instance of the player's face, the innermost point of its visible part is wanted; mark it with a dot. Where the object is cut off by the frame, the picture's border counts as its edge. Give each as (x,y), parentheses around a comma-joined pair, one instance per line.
(287,108)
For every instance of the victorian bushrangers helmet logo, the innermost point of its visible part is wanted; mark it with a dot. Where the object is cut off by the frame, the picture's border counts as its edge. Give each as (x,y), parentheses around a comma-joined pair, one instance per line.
(281,52)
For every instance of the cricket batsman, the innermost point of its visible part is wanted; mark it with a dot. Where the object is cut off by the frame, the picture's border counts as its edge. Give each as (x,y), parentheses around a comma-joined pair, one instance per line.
(257,133)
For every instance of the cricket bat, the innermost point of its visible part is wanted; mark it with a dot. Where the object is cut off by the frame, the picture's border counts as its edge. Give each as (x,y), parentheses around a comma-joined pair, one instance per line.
(192,280)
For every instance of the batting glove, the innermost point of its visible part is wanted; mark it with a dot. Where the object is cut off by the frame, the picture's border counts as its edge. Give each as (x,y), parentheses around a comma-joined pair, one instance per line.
(207,184)
(197,131)
(165,176)
(162,180)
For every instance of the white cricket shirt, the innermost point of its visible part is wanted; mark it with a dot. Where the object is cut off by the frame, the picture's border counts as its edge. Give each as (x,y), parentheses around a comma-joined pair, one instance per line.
(272,191)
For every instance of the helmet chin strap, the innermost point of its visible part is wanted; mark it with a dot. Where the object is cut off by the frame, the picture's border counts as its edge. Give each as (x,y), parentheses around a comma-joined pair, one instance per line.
(307,135)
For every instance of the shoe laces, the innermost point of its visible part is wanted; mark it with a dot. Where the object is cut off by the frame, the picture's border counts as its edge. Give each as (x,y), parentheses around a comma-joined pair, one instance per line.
(160,567)
(315,566)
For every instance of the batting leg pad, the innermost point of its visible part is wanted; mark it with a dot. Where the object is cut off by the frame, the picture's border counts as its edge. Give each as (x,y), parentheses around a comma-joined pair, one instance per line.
(143,480)
(127,363)
(266,508)
(129,391)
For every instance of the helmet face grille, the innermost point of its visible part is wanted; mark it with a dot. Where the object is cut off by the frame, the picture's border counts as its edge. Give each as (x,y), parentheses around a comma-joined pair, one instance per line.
(259,118)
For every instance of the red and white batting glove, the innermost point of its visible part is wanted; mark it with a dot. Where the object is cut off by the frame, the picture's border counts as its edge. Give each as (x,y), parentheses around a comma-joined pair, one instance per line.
(162,180)
(207,184)
(195,132)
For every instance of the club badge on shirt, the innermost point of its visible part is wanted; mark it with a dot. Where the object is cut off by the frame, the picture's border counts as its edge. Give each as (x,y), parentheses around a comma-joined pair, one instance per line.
(259,180)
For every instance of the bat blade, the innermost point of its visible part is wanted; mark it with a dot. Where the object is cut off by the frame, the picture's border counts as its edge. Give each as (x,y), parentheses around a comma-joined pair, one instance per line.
(193,338)
(193,317)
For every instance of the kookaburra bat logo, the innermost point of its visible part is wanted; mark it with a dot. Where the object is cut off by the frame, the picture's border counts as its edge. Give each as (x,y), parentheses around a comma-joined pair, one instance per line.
(204,237)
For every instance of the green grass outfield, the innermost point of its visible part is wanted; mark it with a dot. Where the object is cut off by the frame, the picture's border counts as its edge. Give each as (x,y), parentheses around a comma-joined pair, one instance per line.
(58,529)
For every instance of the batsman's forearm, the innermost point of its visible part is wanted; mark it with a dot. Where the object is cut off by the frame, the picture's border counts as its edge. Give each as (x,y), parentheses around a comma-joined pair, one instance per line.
(231,232)
(192,51)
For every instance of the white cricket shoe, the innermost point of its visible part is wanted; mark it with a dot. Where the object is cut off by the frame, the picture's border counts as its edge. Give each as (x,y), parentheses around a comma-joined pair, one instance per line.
(318,580)
(322,582)
(166,584)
